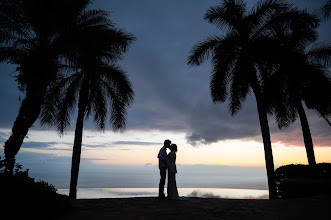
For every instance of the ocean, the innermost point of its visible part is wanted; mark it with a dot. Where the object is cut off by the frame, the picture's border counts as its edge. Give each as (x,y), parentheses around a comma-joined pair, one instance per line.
(101,181)
(96,193)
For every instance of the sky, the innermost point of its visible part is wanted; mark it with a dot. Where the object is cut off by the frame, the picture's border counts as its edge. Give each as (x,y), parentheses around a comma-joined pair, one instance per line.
(172,101)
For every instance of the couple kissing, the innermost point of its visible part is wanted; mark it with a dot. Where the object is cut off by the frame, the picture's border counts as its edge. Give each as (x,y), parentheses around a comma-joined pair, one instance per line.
(168,162)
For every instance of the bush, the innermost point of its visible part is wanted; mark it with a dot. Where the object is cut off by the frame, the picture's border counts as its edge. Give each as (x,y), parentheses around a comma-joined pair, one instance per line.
(303,180)
(21,196)
(322,170)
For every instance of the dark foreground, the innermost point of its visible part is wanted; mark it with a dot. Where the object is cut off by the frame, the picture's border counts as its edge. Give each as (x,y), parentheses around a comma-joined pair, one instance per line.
(317,207)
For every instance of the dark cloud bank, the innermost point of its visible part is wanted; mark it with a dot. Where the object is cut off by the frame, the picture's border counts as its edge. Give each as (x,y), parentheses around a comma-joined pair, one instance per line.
(170,95)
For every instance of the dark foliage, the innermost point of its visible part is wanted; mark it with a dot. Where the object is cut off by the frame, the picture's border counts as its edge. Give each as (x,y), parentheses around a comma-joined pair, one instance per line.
(325,11)
(322,170)
(303,180)
(22,197)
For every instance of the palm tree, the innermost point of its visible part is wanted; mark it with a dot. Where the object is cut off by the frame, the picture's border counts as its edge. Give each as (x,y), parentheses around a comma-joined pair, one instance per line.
(96,84)
(32,37)
(301,76)
(241,60)
(29,32)
(326,10)
(288,88)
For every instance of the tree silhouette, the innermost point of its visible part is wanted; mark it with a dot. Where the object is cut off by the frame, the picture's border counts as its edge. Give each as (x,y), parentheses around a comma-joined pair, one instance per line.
(326,10)
(97,82)
(241,60)
(32,37)
(301,76)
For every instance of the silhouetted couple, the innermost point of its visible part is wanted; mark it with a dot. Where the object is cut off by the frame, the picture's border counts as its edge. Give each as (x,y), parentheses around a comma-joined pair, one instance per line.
(168,162)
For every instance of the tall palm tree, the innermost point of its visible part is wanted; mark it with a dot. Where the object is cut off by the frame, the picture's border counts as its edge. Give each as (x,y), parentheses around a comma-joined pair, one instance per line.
(32,37)
(241,60)
(301,76)
(97,83)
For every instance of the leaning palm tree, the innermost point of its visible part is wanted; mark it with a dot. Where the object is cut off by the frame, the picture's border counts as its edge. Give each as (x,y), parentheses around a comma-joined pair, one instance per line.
(288,88)
(317,95)
(241,59)
(302,74)
(97,83)
(31,37)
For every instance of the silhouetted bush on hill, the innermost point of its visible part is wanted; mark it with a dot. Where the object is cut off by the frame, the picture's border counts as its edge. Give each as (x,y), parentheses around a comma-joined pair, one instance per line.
(21,196)
(303,180)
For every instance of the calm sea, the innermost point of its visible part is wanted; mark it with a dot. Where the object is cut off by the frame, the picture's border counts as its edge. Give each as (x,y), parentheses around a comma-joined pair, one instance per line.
(94,193)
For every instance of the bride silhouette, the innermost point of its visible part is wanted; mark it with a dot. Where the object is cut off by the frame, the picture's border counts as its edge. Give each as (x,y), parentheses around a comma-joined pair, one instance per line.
(172,170)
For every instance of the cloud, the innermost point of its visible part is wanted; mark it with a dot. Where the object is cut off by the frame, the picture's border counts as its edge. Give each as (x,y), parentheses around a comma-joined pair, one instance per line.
(3,136)
(170,95)
(47,145)
(135,143)
(91,159)
(90,146)
(38,145)
(9,96)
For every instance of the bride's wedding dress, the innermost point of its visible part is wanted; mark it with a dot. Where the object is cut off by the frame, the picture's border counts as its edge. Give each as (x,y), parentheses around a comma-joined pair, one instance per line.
(172,170)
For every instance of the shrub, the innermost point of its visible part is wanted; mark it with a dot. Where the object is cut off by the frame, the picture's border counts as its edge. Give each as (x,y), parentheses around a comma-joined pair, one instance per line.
(321,170)
(303,180)
(21,197)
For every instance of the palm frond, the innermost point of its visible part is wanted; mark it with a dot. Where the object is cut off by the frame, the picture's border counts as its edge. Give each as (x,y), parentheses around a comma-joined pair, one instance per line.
(227,15)
(117,79)
(118,113)
(116,42)
(218,84)
(276,97)
(264,13)
(202,51)
(117,105)
(98,105)
(11,54)
(67,102)
(95,18)
(223,61)
(317,93)
(326,10)
(49,108)
(320,53)
(118,90)
(240,84)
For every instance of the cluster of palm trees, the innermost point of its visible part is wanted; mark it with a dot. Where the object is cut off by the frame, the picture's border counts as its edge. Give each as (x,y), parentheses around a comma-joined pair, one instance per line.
(66,57)
(271,51)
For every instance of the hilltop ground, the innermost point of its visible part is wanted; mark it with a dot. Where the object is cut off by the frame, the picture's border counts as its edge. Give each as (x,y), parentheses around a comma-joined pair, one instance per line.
(317,207)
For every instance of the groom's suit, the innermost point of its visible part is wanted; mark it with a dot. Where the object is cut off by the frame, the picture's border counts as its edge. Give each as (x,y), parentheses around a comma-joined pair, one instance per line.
(163,158)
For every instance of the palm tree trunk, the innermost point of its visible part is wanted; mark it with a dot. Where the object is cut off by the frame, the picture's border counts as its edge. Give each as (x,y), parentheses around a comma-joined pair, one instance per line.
(265,131)
(77,148)
(306,135)
(28,114)
(269,160)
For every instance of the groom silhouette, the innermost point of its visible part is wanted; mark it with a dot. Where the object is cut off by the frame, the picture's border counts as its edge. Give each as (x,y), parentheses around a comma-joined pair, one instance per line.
(163,158)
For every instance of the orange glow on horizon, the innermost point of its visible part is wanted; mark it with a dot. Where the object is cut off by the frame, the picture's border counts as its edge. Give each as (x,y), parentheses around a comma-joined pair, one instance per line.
(140,148)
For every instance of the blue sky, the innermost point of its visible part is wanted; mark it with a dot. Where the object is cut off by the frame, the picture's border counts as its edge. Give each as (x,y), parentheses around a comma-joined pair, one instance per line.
(172,100)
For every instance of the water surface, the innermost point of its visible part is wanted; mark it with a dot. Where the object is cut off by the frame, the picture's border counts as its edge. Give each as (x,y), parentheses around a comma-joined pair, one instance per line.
(94,193)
